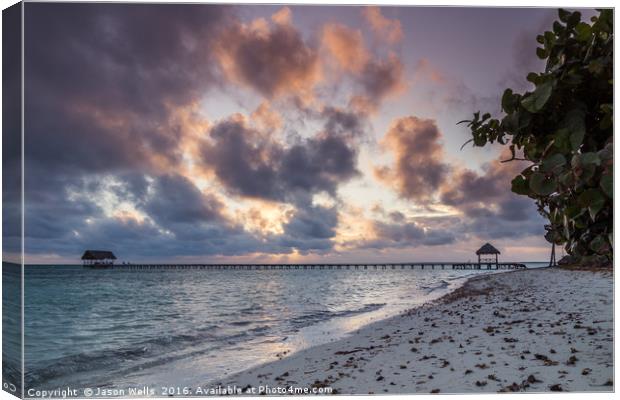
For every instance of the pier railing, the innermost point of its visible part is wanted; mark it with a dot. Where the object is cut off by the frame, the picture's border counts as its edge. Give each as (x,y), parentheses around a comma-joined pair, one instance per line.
(323,266)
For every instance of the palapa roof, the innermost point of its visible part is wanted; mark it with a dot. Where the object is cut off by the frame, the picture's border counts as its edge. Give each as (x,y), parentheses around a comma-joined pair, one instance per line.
(98,255)
(487,249)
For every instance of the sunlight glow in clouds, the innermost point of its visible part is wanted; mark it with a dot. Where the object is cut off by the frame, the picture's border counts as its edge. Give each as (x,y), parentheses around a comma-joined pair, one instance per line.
(291,133)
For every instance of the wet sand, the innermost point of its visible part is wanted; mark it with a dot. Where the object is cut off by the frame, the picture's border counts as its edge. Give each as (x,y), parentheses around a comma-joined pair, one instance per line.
(533,330)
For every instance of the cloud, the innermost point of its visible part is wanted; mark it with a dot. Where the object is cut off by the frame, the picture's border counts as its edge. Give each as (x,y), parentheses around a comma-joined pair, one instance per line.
(11,136)
(468,187)
(273,59)
(344,123)
(488,206)
(483,203)
(174,201)
(107,84)
(524,59)
(346,46)
(266,118)
(119,153)
(253,165)
(386,29)
(376,79)
(381,79)
(418,170)
(178,220)
(511,218)
(242,160)
(425,70)
(102,75)
(319,164)
(407,233)
(310,228)
(283,17)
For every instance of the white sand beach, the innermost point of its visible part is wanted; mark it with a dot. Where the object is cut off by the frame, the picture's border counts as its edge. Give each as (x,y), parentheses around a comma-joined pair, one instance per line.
(533,330)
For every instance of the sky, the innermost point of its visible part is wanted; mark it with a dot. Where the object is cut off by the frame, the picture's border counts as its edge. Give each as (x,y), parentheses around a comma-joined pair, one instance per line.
(206,133)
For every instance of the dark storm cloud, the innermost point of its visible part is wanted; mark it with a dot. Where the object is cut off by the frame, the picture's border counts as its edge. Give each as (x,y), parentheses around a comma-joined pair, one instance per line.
(11,133)
(381,78)
(272,60)
(375,79)
(484,199)
(344,122)
(318,164)
(402,233)
(128,237)
(52,216)
(101,79)
(252,165)
(242,160)
(102,84)
(310,228)
(419,168)
(409,232)
(175,200)
(493,183)
(491,224)
(488,205)
(11,102)
(180,220)
(469,187)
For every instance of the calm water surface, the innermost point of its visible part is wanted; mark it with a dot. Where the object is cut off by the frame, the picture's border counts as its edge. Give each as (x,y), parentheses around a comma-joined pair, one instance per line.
(114,328)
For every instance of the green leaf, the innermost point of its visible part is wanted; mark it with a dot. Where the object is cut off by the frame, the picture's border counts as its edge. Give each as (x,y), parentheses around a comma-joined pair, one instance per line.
(589,170)
(573,211)
(607,185)
(510,122)
(597,66)
(600,245)
(573,20)
(520,186)
(573,78)
(563,14)
(480,140)
(549,39)
(507,101)
(590,158)
(541,185)
(553,162)
(541,53)
(594,200)
(607,152)
(566,179)
(536,100)
(576,138)
(574,122)
(584,32)
(561,140)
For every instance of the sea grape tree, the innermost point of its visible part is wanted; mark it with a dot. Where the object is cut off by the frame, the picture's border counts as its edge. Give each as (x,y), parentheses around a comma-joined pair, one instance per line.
(564,127)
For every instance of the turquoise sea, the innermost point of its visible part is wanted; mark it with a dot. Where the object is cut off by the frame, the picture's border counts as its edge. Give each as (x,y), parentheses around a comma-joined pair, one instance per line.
(115,328)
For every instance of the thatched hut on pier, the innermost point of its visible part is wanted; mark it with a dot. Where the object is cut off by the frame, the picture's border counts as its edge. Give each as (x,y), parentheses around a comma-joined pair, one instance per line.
(98,259)
(488,254)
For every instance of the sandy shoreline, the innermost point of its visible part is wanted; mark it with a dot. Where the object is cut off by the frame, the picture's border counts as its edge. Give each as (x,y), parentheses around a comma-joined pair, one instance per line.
(534,330)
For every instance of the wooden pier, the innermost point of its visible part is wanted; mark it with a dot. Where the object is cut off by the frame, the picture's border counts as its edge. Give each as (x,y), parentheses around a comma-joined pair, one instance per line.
(322,266)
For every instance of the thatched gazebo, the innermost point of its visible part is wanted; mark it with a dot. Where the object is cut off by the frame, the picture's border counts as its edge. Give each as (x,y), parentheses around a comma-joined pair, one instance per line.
(98,258)
(485,254)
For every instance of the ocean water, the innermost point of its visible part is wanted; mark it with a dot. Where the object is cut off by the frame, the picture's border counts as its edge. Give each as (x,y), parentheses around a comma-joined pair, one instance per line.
(116,329)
